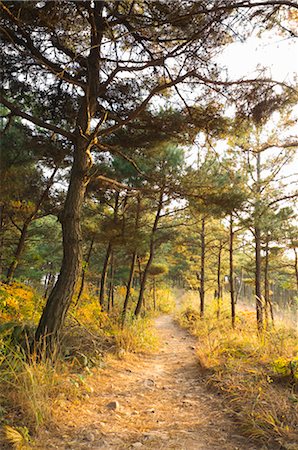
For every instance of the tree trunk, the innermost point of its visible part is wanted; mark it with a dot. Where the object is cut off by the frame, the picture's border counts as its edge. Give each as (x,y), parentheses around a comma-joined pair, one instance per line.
(83,275)
(104,273)
(132,266)
(202,269)
(129,285)
(19,250)
(296,265)
(258,291)
(219,286)
(48,283)
(150,259)
(154,293)
(268,302)
(1,238)
(266,282)
(140,270)
(53,316)
(257,230)
(54,313)
(232,284)
(111,284)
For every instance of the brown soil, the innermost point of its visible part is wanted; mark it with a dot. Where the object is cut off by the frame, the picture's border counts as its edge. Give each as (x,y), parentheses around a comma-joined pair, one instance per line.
(163,403)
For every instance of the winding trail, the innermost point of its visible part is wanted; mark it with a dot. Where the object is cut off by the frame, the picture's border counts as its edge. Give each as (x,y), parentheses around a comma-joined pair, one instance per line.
(162,403)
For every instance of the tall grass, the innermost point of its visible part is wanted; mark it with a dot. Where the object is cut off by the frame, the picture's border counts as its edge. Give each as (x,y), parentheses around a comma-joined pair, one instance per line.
(257,374)
(136,336)
(30,384)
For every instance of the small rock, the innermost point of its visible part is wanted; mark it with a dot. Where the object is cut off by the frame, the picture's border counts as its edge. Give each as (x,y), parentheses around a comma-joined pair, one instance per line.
(192,347)
(137,445)
(114,405)
(149,383)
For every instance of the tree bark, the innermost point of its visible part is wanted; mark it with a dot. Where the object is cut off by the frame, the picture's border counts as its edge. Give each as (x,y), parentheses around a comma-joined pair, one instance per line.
(266,282)
(296,265)
(151,256)
(111,283)
(1,238)
(232,283)
(83,275)
(154,293)
(202,269)
(53,316)
(129,285)
(52,320)
(132,265)
(219,286)
(104,274)
(140,270)
(19,250)
(48,283)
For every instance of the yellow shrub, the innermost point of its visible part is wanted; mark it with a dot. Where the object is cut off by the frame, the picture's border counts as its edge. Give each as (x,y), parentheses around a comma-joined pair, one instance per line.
(17,302)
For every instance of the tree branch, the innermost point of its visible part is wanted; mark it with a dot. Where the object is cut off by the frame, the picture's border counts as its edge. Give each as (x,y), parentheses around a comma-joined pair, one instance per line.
(18,112)
(145,102)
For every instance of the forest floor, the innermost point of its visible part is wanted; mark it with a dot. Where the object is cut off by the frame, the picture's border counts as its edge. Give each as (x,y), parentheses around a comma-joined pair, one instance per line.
(150,401)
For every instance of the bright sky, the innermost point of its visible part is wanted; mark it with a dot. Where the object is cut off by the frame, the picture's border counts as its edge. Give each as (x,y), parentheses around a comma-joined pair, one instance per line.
(278,54)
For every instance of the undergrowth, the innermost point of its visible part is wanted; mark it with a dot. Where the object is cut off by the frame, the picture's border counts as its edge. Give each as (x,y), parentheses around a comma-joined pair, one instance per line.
(31,390)
(258,375)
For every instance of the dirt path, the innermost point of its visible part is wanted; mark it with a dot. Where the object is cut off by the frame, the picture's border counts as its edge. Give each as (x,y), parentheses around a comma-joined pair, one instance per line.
(162,404)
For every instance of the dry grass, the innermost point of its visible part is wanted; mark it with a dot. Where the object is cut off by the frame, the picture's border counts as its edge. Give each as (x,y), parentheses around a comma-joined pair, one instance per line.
(257,374)
(34,390)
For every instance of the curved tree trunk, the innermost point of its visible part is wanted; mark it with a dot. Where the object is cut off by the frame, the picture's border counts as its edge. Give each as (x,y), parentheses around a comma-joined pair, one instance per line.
(53,316)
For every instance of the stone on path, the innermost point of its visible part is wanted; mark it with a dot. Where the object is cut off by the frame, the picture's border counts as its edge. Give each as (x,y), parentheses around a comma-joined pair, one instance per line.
(113,406)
